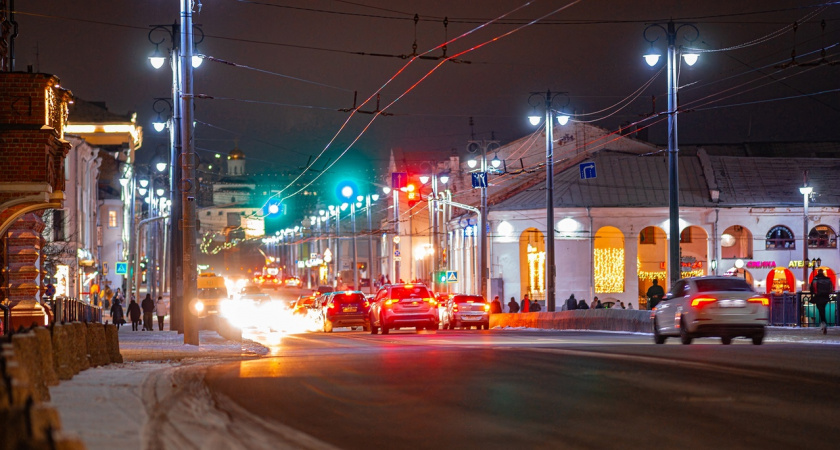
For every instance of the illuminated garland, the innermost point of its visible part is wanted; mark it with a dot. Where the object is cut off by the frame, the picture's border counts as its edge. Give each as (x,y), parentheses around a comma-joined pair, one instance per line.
(609,270)
(536,269)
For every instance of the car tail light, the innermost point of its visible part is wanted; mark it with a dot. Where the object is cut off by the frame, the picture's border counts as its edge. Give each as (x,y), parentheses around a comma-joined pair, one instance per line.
(764,301)
(431,301)
(700,302)
(455,307)
(367,304)
(391,301)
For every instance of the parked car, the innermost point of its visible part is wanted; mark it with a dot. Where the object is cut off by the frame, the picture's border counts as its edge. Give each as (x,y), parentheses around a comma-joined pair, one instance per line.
(715,306)
(403,305)
(344,309)
(467,311)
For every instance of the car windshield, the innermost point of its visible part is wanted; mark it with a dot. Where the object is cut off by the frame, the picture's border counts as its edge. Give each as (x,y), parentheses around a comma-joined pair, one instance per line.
(410,292)
(348,298)
(468,298)
(212,293)
(723,284)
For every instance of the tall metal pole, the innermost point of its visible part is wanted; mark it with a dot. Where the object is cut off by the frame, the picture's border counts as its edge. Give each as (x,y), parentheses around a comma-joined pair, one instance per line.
(396,236)
(189,184)
(482,225)
(673,163)
(177,305)
(550,268)
(806,193)
(371,273)
(355,253)
(337,245)
(433,212)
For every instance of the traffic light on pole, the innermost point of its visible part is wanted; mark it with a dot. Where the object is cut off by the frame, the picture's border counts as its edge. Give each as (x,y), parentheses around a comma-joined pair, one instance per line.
(412,194)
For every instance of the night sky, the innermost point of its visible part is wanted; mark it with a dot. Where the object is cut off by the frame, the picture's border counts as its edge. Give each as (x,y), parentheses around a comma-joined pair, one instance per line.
(310,56)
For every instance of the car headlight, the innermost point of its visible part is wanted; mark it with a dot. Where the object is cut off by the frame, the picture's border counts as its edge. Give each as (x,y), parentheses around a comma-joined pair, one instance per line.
(199,306)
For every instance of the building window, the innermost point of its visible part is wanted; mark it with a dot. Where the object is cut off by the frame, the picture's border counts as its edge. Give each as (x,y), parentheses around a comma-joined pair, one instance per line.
(736,242)
(58,225)
(685,236)
(112,218)
(208,213)
(780,238)
(822,236)
(646,237)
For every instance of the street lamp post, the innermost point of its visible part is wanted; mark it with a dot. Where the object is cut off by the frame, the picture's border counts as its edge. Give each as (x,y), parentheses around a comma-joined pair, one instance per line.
(369,200)
(806,192)
(355,251)
(484,271)
(562,119)
(671,29)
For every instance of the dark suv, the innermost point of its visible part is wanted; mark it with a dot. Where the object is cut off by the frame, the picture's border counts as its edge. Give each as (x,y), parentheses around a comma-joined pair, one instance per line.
(403,305)
(344,309)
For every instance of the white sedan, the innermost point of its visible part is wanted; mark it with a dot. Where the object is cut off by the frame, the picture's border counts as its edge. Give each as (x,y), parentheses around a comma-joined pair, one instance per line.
(724,307)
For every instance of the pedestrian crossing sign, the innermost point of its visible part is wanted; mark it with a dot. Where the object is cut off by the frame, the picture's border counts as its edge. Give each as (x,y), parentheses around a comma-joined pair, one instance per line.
(451,276)
(121,268)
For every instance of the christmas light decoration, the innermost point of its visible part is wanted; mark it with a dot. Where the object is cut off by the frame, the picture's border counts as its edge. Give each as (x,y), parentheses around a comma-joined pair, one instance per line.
(536,269)
(609,270)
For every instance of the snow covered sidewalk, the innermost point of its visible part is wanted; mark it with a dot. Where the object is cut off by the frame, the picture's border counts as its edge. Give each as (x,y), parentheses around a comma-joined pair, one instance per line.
(107,406)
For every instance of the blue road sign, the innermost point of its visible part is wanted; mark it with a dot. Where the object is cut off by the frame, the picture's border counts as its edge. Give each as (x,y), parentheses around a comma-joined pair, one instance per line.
(479,180)
(399,180)
(451,276)
(121,268)
(587,170)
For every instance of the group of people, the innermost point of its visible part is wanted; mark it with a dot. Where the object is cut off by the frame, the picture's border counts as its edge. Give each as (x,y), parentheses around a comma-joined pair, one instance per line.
(526,305)
(147,309)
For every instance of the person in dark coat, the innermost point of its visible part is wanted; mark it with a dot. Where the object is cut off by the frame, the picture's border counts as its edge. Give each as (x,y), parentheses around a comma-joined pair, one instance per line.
(496,306)
(571,303)
(821,289)
(117,315)
(582,304)
(134,314)
(513,307)
(148,306)
(598,304)
(535,307)
(655,294)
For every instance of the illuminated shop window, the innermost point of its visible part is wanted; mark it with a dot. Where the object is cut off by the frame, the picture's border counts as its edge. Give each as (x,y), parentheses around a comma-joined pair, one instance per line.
(780,238)
(822,236)
(608,261)
(536,270)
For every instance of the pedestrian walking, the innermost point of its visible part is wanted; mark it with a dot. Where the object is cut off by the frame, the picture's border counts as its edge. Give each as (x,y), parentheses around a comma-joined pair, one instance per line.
(134,314)
(513,307)
(148,306)
(535,307)
(496,306)
(821,289)
(582,304)
(597,304)
(525,305)
(161,309)
(571,303)
(117,316)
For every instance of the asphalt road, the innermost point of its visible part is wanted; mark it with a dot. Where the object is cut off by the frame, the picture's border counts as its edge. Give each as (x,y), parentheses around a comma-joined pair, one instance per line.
(539,389)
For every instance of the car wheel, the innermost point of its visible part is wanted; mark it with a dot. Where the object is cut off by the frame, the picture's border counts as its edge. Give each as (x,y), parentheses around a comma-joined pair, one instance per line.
(725,340)
(354,328)
(328,326)
(486,326)
(685,337)
(373,328)
(384,326)
(658,338)
(758,339)
(365,327)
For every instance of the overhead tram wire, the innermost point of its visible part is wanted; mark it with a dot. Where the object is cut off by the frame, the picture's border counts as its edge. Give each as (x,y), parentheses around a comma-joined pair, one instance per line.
(439,64)
(379,90)
(268,72)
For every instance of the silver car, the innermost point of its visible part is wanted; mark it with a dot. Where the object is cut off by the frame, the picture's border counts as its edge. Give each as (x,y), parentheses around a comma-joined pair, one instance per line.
(467,311)
(403,305)
(724,307)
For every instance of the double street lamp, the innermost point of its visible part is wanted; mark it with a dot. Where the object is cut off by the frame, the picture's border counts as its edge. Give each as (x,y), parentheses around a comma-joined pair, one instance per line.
(369,200)
(433,214)
(562,119)
(671,29)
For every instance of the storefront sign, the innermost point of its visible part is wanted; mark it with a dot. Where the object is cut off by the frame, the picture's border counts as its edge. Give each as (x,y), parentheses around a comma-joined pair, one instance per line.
(801,264)
(761,264)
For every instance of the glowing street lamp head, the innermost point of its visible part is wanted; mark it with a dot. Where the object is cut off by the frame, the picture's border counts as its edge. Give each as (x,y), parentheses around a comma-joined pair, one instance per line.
(161,166)
(806,190)
(332,207)
(347,192)
(159,125)
(534,119)
(157,59)
(690,58)
(142,191)
(562,119)
(472,163)
(144,183)
(360,198)
(386,190)
(424,179)
(496,162)
(652,57)
(124,181)
(344,206)
(444,179)
(196,61)
(358,204)
(160,192)
(273,208)
(374,197)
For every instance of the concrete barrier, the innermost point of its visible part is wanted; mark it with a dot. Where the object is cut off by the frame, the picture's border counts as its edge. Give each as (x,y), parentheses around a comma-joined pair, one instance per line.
(79,347)
(97,351)
(112,343)
(63,356)
(27,355)
(45,356)
(629,320)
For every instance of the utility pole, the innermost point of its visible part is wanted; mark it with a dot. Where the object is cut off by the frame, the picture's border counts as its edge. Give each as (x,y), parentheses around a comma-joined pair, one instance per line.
(189,187)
